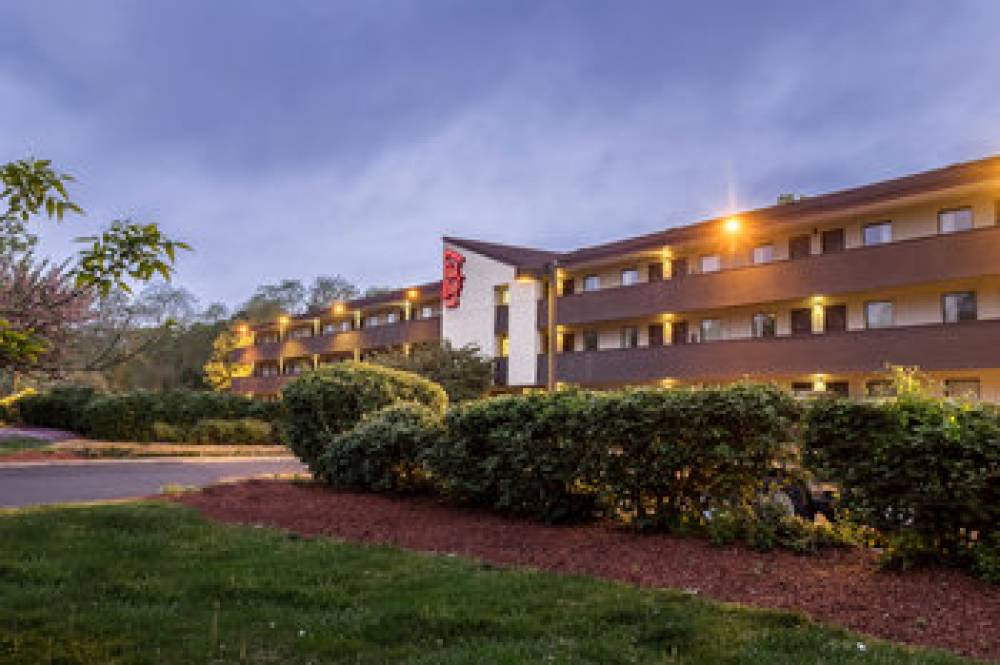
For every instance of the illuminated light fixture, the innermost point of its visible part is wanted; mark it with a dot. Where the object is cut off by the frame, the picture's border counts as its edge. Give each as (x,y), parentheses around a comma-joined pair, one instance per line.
(338,308)
(819,383)
(243,329)
(732,226)
(817,300)
(283,320)
(668,253)
(667,317)
(412,294)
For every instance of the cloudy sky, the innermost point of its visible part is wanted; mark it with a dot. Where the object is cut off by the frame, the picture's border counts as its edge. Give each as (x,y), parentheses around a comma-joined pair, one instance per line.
(292,138)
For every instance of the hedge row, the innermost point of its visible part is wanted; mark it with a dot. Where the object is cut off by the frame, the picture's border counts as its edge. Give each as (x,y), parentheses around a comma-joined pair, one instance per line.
(151,416)
(925,472)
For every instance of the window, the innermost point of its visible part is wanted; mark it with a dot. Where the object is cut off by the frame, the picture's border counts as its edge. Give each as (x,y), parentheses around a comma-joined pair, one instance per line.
(501,295)
(591,283)
(392,317)
(299,333)
(802,388)
(962,388)
(711,263)
(568,286)
(568,342)
(679,332)
(269,369)
(711,330)
(656,335)
(878,233)
(832,240)
(630,337)
(591,340)
(630,277)
(763,253)
(345,325)
(329,328)
(838,388)
(799,247)
(763,325)
(802,321)
(678,268)
(879,314)
(835,318)
(268,337)
(959,306)
(880,388)
(656,272)
(957,219)
(372,322)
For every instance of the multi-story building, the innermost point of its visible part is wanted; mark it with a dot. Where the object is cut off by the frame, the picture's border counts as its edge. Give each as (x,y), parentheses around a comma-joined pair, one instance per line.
(818,294)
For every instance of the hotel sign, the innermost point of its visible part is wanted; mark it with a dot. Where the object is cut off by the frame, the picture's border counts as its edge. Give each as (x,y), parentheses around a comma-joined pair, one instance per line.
(453,279)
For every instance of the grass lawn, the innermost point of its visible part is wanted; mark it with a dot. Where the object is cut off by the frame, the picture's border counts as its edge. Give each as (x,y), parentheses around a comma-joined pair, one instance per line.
(155,583)
(16,445)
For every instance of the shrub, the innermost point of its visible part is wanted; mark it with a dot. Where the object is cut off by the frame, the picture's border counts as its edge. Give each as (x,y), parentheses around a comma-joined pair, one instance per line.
(670,456)
(526,454)
(60,408)
(321,405)
(171,416)
(384,452)
(924,471)
(240,430)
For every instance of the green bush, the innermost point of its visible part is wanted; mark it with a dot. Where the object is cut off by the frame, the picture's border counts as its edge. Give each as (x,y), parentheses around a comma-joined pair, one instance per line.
(171,416)
(924,471)
(321,405)
(670,456)
(525,454)
(59,408)
(384,452)
(654,457)
(240,430)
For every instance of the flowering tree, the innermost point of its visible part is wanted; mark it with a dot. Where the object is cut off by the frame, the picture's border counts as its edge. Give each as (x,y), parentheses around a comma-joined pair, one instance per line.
(43,306)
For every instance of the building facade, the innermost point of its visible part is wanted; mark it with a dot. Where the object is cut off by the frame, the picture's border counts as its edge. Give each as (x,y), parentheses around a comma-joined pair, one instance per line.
(818,294)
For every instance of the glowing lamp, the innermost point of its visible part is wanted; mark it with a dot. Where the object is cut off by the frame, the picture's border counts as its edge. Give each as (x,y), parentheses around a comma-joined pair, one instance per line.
(338,308)
(412,294)
(732,226)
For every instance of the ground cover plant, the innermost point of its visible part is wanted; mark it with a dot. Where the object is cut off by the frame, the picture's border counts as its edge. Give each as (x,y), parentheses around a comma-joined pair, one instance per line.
(155,583)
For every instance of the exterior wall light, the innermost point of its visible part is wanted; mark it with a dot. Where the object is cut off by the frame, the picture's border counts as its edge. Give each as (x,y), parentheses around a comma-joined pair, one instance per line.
(732,226)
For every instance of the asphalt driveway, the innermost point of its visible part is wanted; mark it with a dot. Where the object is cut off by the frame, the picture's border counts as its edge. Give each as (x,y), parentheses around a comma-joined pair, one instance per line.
(26,484)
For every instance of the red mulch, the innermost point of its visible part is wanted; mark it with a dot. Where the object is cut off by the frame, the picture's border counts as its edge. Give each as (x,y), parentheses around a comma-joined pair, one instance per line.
(37,456)
(937,608)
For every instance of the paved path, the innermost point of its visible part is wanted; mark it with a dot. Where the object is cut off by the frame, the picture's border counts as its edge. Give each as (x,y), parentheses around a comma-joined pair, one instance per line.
(27,483)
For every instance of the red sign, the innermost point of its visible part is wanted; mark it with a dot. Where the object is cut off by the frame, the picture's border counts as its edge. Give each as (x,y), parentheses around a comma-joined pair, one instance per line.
(454,278)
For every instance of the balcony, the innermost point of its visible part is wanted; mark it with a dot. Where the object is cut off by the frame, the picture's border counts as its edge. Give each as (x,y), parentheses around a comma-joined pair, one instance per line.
(963,346)
(908,262)
(260,385)
(394,334)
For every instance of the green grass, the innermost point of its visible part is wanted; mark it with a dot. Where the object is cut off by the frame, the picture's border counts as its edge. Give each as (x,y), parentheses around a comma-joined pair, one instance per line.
(16,445)
(155,583)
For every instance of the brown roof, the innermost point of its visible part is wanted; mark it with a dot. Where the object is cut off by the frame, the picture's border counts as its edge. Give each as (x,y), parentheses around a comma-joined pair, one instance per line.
(522,257)
(887,190)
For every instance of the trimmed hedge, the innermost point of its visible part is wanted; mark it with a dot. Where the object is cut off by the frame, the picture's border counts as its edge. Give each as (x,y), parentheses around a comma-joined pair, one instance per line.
(924,471)
(528,454)
(384,451)
(215,430)
(654,457)
(59,408)
(142,416)
(321,405)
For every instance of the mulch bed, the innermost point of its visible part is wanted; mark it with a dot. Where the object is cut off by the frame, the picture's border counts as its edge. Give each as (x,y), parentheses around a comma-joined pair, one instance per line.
(37,456)
(937,608)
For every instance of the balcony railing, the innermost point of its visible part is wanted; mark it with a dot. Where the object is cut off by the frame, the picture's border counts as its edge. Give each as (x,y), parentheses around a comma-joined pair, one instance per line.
(393,334)
(963,346)
(907,262)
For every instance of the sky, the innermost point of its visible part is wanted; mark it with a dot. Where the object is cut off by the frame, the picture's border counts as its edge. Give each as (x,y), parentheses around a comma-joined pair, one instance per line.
(295,138)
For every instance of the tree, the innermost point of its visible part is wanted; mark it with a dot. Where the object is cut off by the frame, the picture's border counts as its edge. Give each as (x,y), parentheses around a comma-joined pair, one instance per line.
(270,301)
(220,370)
(44,304)
(373,291)
(326,290)
(464,373)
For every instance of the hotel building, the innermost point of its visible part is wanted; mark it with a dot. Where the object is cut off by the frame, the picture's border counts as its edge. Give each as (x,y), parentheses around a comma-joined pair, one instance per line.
(818,294)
